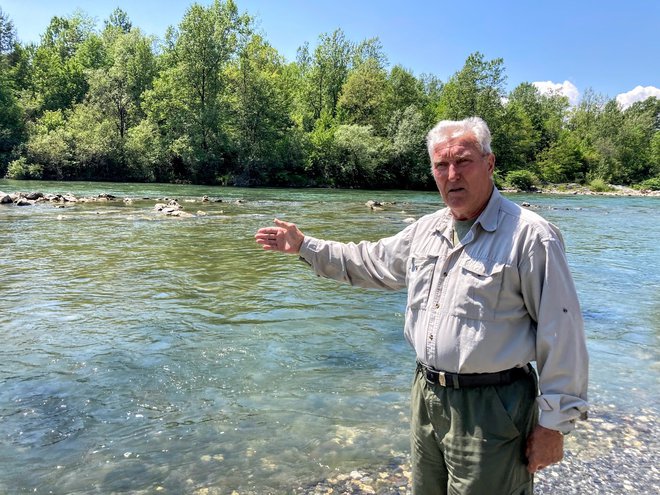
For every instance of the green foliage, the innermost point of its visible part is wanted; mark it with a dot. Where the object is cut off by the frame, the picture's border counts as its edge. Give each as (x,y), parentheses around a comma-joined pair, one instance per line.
(22,170)
(144,154)
(565,160)
(260,111)
(652,184)
(7,34)
(360,154)
(409,162)
(599,185)
(11,119)
(363,96)
(323,168)
(477,89)
(215,103)
(523,180)
(498,180)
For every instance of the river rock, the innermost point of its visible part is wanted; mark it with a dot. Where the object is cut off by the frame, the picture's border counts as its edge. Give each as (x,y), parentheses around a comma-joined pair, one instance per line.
(5,198)
(172,209)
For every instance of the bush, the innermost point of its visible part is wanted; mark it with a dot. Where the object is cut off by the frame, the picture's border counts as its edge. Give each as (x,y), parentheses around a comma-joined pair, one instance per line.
(21,169)
(498,180)
(652,184)
(599,185)
(523,180)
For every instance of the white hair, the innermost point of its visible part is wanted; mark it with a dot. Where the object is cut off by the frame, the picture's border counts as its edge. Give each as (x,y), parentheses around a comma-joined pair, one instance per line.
(448,129)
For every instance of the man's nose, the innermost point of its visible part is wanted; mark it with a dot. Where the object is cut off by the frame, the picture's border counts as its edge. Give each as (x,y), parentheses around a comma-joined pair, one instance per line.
(452,172)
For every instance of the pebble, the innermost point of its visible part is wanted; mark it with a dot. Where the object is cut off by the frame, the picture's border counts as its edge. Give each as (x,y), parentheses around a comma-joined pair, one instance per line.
(610,454)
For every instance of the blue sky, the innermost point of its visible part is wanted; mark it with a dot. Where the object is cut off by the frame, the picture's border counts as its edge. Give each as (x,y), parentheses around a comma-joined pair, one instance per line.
(610,46)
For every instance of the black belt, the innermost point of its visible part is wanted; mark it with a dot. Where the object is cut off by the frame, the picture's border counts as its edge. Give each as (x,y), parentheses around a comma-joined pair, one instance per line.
(458,380)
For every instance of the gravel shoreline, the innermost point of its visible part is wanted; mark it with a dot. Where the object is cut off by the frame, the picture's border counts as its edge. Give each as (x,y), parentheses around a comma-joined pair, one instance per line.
(610,454)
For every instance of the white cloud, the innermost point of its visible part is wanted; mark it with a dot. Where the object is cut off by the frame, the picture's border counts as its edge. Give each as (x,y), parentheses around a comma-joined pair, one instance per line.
(638,94)
(567,88)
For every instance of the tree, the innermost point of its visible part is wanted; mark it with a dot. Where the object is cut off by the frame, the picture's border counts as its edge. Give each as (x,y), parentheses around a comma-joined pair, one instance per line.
(545,113)
(260,111)
(564,160)
(641,126)
(11,116)
(360,155)
(408,164)
(186,102)
(66,50)
(369,50)
(325,72)
(118,22)
(363,97)
(7,34)
(516,139)
(117,89)
(404,90)
(476,90)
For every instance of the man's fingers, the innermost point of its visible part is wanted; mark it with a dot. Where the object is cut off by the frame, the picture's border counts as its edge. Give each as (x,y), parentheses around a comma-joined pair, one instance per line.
(284,237)
(283,224)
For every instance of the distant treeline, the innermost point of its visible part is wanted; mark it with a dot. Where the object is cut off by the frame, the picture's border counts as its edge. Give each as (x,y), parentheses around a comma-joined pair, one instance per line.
(214,103)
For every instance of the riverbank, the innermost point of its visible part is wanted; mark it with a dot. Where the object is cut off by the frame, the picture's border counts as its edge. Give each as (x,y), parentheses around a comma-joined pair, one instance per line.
(577,189)
(609,454)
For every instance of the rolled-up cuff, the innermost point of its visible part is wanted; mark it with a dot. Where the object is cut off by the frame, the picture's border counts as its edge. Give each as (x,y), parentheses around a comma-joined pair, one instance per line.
(560,412)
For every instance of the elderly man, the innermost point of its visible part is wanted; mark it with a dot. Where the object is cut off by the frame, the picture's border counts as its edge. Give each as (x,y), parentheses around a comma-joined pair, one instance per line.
(489,291)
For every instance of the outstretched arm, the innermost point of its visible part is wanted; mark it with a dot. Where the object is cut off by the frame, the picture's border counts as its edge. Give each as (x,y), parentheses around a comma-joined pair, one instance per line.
(284,237)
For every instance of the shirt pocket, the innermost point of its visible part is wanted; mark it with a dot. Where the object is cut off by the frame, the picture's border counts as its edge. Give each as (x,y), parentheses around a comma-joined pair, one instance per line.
(478,288)
(420,280)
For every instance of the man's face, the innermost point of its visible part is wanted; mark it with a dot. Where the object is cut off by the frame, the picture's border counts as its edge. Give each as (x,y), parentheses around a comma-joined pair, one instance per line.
(463,175)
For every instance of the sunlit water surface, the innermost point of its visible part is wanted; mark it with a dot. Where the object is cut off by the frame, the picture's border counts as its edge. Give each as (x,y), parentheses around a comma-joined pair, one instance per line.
(143,354)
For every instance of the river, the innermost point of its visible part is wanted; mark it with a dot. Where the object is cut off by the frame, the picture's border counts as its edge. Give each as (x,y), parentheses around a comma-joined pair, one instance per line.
(148,354)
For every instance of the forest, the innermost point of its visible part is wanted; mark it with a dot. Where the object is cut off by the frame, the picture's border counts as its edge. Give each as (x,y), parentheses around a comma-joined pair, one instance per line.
(212,102)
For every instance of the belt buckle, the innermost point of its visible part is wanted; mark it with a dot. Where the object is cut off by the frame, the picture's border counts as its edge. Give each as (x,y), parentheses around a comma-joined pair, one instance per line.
(442,380)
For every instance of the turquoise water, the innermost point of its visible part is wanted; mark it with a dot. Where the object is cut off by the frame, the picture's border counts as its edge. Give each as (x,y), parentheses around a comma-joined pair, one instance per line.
(148,354)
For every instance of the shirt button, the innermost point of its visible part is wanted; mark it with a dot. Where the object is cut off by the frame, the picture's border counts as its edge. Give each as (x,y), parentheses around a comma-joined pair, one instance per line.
(444,274)
(437,306)
(430,337)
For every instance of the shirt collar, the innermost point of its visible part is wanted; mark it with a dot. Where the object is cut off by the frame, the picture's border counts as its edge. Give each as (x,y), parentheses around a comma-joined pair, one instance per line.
(489,217)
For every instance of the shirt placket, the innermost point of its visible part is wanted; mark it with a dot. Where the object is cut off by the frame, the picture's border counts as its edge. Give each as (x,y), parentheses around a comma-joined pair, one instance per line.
(438,297)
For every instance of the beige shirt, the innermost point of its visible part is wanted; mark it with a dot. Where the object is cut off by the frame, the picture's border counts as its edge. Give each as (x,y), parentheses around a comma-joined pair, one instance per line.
(501,298)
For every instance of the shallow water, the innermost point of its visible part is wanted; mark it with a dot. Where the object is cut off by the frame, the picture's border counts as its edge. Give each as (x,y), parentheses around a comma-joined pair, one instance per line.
(143,353)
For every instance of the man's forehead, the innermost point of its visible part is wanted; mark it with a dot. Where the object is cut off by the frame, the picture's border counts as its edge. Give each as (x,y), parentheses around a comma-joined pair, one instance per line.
(457,146)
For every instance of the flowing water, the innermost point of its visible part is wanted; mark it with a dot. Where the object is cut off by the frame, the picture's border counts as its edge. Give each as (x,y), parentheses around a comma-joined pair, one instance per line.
(148,354)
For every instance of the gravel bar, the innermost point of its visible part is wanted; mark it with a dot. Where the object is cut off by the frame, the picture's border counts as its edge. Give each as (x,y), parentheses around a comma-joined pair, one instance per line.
(610,454)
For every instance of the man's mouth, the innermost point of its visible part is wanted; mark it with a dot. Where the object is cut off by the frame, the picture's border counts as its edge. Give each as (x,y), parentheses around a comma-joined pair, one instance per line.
(456,189)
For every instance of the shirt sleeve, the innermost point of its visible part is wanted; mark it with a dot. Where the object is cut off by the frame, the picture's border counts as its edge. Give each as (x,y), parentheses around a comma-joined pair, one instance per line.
(561,353)
(378,265)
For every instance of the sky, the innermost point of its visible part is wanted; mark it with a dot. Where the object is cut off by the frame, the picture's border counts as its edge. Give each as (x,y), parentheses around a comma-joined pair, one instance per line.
(609,46)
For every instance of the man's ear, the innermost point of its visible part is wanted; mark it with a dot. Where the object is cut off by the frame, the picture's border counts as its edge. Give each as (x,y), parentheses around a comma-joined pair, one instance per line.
(491,163)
